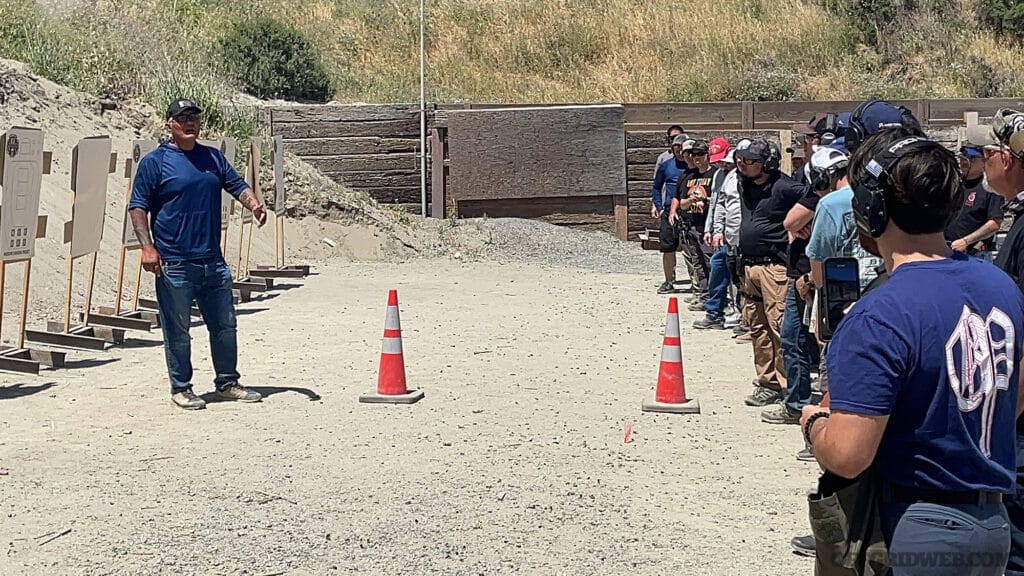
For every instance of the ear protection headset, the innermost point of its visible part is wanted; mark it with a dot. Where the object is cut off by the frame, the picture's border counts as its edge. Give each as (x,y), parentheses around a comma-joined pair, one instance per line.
(774,161)
(857,132)
(830,131)
(869,192)
(1008,127)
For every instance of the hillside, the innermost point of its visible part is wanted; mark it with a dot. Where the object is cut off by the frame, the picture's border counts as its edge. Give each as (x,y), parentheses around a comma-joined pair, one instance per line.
(535,50)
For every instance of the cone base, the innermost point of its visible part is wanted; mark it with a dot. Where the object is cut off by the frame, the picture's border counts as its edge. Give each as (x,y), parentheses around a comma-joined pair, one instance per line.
(410,397)
(691,406)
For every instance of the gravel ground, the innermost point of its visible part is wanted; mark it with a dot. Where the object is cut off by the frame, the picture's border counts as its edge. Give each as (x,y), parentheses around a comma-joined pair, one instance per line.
(514,463)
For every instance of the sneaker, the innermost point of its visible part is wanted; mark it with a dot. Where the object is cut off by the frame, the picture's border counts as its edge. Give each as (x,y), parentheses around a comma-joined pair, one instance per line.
(239,393)
(780,414)
(709,324)
(740,329)
(805,455)
(188,400)
(696,307)
(732,320)
(763,397)
(803,545)
(666,288)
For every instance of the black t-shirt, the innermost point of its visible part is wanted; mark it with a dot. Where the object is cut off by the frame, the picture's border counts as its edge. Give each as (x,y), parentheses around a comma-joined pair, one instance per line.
(763,210)
(1011,254)
(797,262)
(979,207)
(696,185)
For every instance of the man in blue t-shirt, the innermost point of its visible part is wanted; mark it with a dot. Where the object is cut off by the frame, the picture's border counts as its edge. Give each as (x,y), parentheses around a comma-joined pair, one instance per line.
(175,210)
(924,371)
(666,178)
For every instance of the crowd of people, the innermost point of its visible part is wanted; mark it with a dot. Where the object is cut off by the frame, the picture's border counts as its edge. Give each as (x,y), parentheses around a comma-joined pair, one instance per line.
(918,394)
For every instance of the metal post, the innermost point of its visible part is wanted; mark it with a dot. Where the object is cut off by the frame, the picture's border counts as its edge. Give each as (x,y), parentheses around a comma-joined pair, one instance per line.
(423,112)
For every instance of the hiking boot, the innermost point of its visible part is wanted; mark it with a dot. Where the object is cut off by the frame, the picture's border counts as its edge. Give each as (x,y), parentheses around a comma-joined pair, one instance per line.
(803,545)
(805,455)
(666,288)
(709,324)
(763,397)
(780,414)
(697,307)
(188,400)
(238,393)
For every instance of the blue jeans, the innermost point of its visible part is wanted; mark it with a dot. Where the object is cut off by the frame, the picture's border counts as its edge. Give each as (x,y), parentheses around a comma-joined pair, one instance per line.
(1015,509)
(718,285)
(939,539)
(796,342)
(208,282)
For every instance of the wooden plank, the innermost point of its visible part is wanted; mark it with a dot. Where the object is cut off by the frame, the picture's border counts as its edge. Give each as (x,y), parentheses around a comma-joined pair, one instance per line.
(437,171)
(621,216)
(542,152)
(690,126)
(398,178)
(639,188)
(345,113)
(684,113)
(640,215)
(650,139)
(747,116)
(408,128)
(951,111)
(643,155)
(785,114)
(640,172)
(341,146)
(364,162)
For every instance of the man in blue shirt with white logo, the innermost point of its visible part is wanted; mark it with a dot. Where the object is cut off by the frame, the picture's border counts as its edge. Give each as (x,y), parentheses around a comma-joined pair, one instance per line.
(177,195)
(924,371)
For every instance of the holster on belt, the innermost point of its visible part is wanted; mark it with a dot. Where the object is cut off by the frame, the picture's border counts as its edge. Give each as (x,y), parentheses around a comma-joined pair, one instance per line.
(846,523)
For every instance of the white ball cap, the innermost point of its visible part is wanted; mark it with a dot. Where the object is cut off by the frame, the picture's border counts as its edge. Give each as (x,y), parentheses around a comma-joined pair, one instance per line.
(826,159)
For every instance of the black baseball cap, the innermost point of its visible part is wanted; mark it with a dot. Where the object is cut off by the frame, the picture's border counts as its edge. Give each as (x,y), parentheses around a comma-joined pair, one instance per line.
(759,151)
(180,105)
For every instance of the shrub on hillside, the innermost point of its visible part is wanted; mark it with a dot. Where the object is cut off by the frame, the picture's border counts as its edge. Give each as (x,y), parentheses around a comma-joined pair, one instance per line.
(271,60)
(1003,15)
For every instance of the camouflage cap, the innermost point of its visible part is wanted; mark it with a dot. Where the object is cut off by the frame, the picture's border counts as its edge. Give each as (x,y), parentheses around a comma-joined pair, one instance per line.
(1008,129)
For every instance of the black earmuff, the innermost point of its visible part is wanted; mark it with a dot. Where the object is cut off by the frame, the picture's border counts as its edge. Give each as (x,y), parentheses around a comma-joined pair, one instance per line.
(774,161)
(869,191)
(830,132)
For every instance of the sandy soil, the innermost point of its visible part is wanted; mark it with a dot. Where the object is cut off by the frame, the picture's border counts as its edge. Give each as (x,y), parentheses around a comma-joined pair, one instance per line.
(513,463)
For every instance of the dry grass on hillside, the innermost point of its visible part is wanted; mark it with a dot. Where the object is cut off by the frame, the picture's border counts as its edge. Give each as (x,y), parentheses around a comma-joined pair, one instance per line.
(530,50)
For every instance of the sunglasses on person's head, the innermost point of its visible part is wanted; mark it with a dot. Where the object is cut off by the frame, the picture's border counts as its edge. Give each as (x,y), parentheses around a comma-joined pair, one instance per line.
(188,117)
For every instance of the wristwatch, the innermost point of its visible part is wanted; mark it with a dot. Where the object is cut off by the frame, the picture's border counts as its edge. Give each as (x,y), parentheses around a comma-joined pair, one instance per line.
(810,424)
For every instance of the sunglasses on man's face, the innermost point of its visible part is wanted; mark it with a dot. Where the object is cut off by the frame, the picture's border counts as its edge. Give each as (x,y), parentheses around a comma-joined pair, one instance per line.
(991,151)
(749,161)
(696,154)
(191,117)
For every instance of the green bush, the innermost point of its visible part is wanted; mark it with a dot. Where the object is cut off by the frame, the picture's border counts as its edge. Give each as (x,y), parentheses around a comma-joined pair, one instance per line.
(1003,15)
(270,60)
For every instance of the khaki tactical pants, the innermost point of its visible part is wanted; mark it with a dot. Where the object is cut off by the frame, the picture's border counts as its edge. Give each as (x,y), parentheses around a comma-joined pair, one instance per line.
(766,286)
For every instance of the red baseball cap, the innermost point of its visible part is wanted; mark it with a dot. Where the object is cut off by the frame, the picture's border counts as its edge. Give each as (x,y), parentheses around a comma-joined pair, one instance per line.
(718,148)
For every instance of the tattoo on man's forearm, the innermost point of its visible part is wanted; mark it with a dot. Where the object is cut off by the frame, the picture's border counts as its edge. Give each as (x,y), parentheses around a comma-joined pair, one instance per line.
(140,223)
(248,199)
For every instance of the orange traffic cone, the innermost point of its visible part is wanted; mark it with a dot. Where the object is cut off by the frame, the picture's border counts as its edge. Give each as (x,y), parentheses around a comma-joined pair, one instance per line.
(391,380)
(670,395)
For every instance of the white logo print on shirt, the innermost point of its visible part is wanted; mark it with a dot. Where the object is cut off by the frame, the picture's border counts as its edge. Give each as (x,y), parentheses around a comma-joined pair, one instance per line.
(985,364)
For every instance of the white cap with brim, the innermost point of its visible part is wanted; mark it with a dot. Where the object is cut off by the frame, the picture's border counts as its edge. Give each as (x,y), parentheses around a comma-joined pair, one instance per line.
(730,157)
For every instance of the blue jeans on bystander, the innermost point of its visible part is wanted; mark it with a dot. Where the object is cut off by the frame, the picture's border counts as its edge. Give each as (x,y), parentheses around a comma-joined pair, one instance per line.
(208,283)
(718,285)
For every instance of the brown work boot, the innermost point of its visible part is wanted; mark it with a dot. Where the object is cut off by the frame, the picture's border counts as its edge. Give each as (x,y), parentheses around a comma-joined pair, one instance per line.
(238,393)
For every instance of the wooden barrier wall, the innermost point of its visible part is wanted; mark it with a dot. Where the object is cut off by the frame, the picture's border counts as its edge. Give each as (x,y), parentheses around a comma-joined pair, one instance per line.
(375,148)
(372,148)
